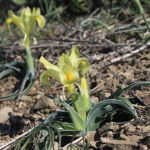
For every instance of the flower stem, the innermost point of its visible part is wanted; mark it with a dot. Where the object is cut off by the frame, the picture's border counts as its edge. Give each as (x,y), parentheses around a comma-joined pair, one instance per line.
(29,59)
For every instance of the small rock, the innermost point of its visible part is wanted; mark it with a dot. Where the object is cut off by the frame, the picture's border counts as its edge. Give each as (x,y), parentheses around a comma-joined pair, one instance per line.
(109,134)
(35,117)
(55,145)
(41,103)
(2,89)
(26,122)
(93,72)
(143,147)
(107,95)
(38,96)
(34,89)
(21,104)
(26,98)
(94,99)
(51,103)
(36,82)
(5,114)
(99,76)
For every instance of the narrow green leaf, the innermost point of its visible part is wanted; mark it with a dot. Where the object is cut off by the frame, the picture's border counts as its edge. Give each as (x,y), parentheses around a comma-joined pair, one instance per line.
(115,93)
(26,143)
(97,112)
(107,106)
(131,86)
(70,146)
(127,102)
(36,144)
(71,111)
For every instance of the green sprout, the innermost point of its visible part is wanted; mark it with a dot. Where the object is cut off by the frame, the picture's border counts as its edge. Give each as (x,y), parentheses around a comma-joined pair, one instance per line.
(25,24)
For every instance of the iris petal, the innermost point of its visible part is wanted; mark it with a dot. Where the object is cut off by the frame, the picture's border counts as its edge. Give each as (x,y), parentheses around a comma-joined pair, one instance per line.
(44,79)
(52,69)
(74,53)
(70,77)
(83,65)
(41,21)
(64,59)
(8,21)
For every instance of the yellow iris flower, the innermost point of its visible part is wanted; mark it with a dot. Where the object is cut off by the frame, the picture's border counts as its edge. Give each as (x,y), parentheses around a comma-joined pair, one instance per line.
(26,21)
(65,73)
(67,70)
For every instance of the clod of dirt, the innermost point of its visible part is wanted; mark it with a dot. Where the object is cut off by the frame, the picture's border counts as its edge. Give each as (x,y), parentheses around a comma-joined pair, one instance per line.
(5,114)
(131,143)
(107,128)
(146,140)
(146,129)
(127,127)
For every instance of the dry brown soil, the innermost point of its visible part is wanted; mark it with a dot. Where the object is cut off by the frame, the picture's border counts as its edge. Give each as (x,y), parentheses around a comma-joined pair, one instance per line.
(33,109)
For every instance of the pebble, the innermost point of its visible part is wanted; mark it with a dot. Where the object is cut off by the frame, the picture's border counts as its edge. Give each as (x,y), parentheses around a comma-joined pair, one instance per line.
(38,96)
(51,103)
(3,89)
(35,117)
(5,114)
(94,99)
(41,103)
(26,98)
(36,82)
(107,95)
(99,76)
(21,104)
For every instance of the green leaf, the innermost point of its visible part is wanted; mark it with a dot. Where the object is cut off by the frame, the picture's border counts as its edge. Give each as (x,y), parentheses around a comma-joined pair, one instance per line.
(49,139)
(36,144)
(99,112)
(121,91)
(127,102)
(104,107)
(26,143)
(115,93)
(73,114)
(70,145)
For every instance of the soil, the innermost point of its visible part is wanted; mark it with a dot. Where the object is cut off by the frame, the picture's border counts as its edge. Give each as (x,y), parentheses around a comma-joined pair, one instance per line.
(104,75)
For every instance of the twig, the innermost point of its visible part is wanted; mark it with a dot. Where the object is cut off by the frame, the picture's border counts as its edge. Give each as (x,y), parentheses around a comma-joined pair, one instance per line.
(12,141)
(77,140)
(129,89)
(134,121)
(94,12)
(130,54)
(95,45)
